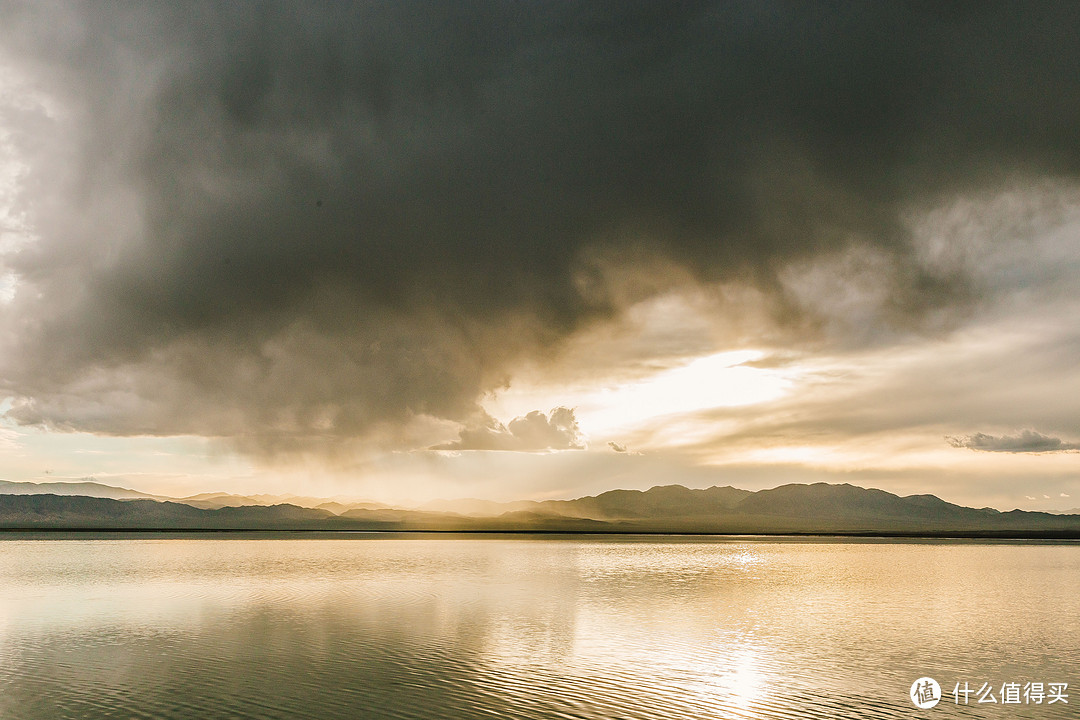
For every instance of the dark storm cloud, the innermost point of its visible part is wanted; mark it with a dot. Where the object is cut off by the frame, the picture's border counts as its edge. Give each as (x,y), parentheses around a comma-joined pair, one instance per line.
(1028,441)
(319,220)
(534,432)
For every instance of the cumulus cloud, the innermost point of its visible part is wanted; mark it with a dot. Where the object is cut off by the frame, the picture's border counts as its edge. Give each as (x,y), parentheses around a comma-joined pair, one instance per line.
(298,223)
(1027,441)
(534,432)
(622,448)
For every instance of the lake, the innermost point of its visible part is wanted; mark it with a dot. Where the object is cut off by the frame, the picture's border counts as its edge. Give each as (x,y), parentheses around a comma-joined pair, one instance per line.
(430,626)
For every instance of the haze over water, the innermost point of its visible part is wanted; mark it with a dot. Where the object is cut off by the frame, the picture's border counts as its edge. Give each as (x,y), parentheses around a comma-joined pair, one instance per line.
(381,626)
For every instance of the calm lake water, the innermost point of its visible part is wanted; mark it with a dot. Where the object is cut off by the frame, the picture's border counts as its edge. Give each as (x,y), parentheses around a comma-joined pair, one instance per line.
(391,626)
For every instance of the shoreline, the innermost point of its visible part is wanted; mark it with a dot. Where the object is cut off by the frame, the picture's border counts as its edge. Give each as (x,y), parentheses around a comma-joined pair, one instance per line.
(1066,536)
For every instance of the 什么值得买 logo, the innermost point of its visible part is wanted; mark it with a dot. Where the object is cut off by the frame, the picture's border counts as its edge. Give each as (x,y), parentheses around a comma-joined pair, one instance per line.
(925,692)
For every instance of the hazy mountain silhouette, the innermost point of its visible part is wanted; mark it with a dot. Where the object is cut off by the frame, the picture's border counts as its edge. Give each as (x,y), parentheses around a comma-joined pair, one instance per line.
(87,487)
(660,501)
(213,501)
(74,512)
(664,501)
(818,508)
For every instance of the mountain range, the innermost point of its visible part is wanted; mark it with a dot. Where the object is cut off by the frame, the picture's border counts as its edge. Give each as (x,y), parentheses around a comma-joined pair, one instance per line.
(89,487)
(815,509)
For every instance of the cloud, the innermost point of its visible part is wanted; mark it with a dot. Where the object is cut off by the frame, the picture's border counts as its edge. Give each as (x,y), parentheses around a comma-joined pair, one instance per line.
(10,440)
(623,449)
(1027,441)
(299,224)
(534,432)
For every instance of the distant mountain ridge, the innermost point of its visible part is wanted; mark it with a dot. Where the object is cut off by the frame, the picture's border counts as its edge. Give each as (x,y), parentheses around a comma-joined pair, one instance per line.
(819,508)
(84,488)
(89,487)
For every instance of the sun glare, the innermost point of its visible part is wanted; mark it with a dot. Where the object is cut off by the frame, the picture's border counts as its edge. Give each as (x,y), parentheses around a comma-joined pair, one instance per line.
(713,381)
(720,380)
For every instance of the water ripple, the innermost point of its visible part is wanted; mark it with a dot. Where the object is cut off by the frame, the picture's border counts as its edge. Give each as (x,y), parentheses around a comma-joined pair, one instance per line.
(540,629)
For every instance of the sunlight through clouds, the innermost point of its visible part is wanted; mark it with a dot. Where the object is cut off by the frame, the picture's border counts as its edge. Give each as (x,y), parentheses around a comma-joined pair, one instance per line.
(719,380)
(203,236)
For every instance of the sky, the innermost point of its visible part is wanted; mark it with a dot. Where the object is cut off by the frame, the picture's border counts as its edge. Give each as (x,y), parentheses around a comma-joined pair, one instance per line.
(402,251)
